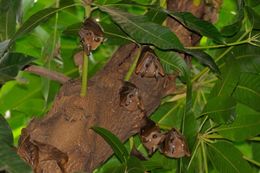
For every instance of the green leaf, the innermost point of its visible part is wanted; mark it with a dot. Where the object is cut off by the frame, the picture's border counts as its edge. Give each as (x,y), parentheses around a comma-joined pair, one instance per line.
(143,31)
(3,47)
(10,161)
(244,127)
(117,146)
(248,91)
(23,92)
(234,28)
(10,65)
(228,82)
(221,109)
(6,135)
(256,151)
(171,61)
(9,14)
(253,17)
(204,59)
(135,166)
(200,26)
(226,158)
(36,19)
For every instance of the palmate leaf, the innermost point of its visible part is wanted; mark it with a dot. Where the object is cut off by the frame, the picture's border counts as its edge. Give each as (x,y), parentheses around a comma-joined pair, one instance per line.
(221,109)
(244,127)
(143,31)
(117,146)
(195,24)
(10,65)
(248,90)
(226,158)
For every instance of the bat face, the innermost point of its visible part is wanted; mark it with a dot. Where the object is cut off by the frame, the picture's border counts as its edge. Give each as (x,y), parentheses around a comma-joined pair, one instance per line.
(151,137)
(130,97)
(174,145)
(149,65)
(91,35)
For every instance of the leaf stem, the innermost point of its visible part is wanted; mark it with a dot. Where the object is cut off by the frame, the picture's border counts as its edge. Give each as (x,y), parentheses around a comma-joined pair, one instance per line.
(206,69)
(84,80)
(132,67)
(251,161)
(194,154)
(204,157)
(220,45)
(84,83)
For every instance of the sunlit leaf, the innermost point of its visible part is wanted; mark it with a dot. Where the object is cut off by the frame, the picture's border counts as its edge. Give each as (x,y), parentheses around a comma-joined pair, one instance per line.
(135,166)
(226,158)
(143,31)
(114,142)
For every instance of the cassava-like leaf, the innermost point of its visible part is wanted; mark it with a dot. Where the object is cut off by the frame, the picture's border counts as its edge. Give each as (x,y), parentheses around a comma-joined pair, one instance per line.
(10,65)
(248,90)
(226,158)
(198,25)
(117,146)
(221,109)
(143,31)
(244,127)
(135,166)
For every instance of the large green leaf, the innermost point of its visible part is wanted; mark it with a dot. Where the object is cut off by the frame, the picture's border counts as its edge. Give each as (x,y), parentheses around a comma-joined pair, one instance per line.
(248,90)
(226,158)
(23,92)
(200,26)
(10,161)
(221,109)
(10,65)
(6,135)
(114,142)
(204,59)
(228,81)
(244,127)
(3,46)
(9,12)
(135,166)
(143,31)
(172,61)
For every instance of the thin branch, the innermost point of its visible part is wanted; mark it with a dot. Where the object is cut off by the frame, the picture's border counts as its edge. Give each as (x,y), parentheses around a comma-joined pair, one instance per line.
(59,77)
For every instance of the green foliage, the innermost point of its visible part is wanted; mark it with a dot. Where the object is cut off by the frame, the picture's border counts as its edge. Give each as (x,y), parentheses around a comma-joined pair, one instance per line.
(217,112)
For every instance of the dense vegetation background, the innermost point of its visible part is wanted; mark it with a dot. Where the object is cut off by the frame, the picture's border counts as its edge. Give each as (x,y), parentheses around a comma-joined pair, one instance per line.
(216,107)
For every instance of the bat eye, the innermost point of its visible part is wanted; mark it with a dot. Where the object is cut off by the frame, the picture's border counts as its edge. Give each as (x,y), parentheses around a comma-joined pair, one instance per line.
(131,95)
(154,136)
(146,65)
(97,39)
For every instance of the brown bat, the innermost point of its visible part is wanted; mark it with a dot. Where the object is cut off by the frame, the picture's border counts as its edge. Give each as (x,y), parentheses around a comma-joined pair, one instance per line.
(151,136)
(130,97)
(91,35)
(174,145)
(148,64)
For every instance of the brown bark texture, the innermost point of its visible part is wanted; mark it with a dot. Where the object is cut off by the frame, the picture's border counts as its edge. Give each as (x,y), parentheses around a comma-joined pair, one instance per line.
(62,141)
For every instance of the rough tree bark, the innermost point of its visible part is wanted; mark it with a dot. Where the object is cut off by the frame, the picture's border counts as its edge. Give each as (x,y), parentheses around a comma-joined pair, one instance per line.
(62,141)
